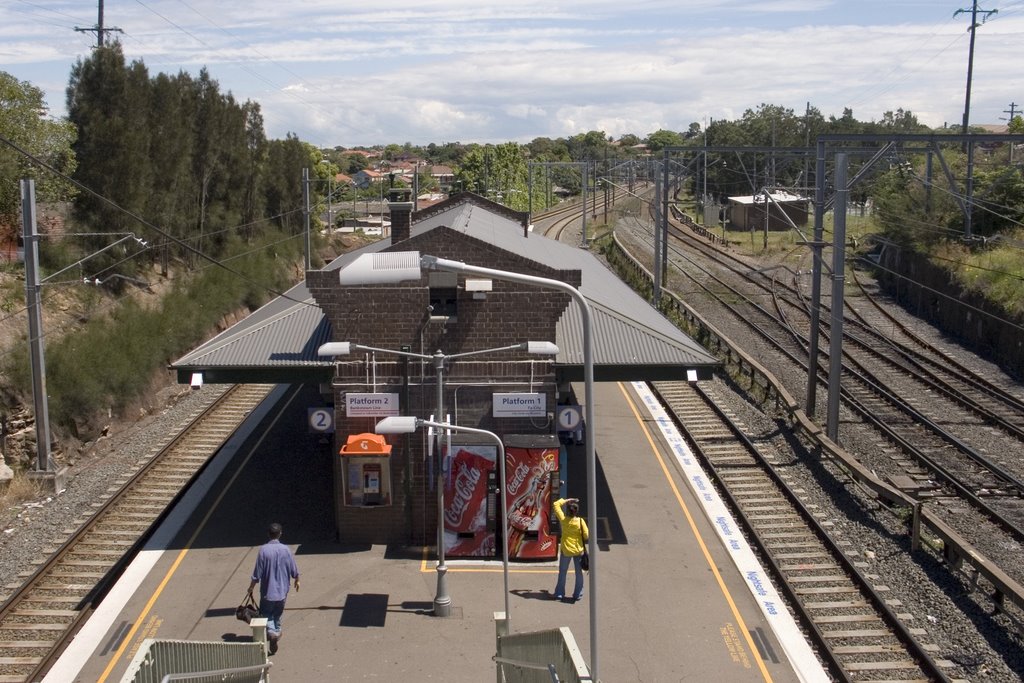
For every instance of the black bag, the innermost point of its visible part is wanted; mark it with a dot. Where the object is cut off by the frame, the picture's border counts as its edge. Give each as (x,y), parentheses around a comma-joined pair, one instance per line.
(585,561)
(248,610)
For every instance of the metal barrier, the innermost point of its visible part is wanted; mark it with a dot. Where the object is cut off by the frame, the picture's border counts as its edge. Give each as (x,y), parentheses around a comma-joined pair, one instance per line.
(549,656)
(192,661)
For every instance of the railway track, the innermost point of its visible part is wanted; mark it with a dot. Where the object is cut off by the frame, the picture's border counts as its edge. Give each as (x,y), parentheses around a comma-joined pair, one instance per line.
(847,618)
(48,607)
(992,555)
(904,353)
(971,491)
(563,216)
(999,406)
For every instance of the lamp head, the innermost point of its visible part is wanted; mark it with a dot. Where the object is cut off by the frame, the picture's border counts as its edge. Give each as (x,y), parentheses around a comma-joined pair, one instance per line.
(335,349)
(396,425)
(540,348)
(382,268)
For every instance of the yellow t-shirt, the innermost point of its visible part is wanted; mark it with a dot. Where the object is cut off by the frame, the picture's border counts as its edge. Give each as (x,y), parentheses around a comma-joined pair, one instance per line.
(574,531)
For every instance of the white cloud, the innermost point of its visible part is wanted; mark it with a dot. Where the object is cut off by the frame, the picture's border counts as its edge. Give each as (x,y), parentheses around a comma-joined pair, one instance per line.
(427,70)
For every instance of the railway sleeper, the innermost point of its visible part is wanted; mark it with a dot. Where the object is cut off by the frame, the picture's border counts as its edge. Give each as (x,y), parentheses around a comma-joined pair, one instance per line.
(27,644)
(868,649)
(818,578)
(52,614)
(805,545)
(904,664)
(20,661)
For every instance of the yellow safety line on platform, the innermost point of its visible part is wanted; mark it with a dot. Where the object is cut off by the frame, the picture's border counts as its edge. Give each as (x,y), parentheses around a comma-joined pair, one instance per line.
(184,551)
(700,539)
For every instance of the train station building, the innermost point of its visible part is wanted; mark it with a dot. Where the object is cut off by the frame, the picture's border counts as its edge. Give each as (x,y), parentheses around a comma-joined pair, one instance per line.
(477,352)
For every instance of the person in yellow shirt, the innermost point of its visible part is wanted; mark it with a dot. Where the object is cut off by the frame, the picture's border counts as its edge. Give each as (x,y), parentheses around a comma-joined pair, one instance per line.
(572,545)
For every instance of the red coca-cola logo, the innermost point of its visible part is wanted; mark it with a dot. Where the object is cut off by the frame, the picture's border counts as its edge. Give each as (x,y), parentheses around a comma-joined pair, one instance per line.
(518,477)
(467,492)
(465,484)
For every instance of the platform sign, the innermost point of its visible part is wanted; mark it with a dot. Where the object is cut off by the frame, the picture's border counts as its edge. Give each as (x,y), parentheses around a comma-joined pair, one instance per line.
(371,405)
(519,405)
(321,420)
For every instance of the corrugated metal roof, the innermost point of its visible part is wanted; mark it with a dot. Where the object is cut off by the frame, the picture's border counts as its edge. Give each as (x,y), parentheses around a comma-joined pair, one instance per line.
(631,338)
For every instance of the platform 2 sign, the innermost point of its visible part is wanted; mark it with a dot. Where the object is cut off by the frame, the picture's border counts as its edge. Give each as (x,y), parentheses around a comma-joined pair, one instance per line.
(519,405)
(371,405)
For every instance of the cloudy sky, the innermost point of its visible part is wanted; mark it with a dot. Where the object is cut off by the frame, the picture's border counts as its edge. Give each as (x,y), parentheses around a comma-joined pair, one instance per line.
(421,71)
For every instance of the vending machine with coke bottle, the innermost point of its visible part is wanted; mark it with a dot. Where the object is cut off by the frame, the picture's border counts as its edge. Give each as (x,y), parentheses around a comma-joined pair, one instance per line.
(532,465)
(469,505)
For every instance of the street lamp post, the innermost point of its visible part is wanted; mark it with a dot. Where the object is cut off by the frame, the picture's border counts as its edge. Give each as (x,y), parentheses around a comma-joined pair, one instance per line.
(442,600)
(401,266)
(408,425)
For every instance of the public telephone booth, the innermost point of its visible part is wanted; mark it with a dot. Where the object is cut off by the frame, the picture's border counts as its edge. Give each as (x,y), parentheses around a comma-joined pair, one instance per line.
(366,470)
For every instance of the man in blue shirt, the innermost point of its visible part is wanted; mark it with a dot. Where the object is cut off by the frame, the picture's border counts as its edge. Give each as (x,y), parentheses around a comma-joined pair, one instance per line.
(274,570)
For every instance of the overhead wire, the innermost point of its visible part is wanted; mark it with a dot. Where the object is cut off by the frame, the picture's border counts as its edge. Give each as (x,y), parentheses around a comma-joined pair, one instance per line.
(50,10)
(880,87)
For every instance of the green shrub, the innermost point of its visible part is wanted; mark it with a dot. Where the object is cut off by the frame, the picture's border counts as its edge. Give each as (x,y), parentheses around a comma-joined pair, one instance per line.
(108,364)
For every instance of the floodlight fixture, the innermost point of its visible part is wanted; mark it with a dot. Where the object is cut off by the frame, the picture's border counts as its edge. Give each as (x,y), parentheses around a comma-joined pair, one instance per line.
(385,267)
(397,425)
(541,348)
(334,349)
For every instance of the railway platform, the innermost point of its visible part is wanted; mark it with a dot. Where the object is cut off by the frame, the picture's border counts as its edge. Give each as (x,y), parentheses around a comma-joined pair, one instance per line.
(674,601)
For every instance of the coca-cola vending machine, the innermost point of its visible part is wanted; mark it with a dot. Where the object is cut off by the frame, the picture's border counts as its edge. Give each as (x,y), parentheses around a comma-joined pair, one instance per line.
(532,484)
(469,501)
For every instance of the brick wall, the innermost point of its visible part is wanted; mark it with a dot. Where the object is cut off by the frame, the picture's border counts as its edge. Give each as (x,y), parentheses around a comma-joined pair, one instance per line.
(396,317)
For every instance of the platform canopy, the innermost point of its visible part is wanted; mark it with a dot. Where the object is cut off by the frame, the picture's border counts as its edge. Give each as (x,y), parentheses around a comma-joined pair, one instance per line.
(632,341)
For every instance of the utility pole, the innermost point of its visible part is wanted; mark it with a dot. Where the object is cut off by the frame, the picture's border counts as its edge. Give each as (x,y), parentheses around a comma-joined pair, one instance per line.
(98,29)
(1013,112)
(968,145)
(45,471)
(970,55)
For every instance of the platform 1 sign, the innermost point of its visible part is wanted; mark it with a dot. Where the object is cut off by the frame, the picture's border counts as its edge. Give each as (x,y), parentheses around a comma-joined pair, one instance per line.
(371,405)
(520,405)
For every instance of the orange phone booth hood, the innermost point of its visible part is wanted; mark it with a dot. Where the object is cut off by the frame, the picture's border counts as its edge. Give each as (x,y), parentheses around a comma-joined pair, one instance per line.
(365,444)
